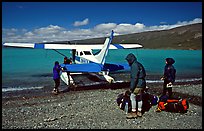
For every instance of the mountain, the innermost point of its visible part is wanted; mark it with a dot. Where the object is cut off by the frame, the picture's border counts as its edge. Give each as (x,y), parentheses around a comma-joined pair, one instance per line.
(185,37)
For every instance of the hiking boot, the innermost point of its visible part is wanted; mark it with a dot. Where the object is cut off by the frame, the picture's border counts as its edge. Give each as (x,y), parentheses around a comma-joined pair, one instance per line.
(131,115)
(139,114)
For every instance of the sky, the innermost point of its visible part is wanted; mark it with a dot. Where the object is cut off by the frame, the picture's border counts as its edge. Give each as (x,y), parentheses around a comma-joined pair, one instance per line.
(66,21)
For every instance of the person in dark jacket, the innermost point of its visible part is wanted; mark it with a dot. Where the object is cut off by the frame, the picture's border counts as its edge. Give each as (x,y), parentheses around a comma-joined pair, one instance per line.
(137,85)
(67,61)
(168,76)
(56,77)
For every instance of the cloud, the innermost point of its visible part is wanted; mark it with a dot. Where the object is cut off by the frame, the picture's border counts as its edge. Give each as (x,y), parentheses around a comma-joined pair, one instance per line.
(197,20)
(9,32)
(51,29)
(80,23)
(57,33)
(125,28)
(105,28)
(28,34)
(163,22)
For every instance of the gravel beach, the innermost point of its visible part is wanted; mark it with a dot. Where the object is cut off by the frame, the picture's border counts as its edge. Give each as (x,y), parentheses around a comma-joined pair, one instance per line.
(97,109)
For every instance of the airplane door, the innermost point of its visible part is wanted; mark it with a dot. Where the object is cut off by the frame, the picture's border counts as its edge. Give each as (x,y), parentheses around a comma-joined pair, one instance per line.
(73,55)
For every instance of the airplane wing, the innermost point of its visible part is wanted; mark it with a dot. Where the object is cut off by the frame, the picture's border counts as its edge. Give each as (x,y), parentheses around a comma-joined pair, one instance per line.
(70,46)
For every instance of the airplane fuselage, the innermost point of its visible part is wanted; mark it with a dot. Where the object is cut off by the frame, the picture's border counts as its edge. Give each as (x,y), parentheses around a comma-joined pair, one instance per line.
(85,56)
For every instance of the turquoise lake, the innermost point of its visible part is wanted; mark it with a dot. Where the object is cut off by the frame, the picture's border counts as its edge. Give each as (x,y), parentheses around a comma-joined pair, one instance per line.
(24,65)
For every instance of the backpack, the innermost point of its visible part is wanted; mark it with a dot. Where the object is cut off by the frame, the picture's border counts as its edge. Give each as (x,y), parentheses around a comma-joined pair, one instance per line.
(122,99)
(147,99)
(173,105)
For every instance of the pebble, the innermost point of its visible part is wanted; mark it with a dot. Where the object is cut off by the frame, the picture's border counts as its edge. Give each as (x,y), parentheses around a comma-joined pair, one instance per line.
(92,109)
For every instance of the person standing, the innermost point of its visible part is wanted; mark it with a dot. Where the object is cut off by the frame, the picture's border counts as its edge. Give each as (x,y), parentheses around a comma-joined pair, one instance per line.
(168,76)
(56,77)
(137,85)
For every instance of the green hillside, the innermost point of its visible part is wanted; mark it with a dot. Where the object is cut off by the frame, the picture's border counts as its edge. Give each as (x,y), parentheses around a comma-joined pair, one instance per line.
(185,37)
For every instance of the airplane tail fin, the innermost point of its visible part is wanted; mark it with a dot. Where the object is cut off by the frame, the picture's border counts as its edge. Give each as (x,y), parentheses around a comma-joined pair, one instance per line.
(101,57)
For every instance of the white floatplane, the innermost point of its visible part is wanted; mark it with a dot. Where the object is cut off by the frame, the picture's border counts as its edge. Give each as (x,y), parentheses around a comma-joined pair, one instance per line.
(83,58)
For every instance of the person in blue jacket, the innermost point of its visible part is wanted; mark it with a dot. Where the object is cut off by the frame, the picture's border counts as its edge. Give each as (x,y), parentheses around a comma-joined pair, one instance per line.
(168,76)
(137,85)
(56,77)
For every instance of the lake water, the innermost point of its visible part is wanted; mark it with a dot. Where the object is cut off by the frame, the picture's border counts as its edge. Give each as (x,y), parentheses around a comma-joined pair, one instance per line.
(24,68)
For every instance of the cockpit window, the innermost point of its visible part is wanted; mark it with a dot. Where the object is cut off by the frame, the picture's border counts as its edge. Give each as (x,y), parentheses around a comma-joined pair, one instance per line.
(87,52)
(81,53)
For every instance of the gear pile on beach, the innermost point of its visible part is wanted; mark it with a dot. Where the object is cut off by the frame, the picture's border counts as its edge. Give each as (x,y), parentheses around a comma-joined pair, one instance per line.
(96,109)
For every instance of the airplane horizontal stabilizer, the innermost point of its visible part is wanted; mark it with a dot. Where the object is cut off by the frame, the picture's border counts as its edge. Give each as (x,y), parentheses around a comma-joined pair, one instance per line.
(125,46)
(90,67)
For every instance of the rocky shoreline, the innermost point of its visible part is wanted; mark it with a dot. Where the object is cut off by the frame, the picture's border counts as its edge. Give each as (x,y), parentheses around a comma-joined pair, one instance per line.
(97,109)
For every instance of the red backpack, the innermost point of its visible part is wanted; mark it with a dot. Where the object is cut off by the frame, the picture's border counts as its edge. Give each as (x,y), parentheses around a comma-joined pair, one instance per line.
(173,105)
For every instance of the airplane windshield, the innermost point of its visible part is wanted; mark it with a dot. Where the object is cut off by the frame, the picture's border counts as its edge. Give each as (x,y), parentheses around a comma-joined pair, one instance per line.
(87,52)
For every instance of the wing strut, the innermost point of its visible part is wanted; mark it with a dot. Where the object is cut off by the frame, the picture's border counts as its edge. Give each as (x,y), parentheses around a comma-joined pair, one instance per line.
(59,52)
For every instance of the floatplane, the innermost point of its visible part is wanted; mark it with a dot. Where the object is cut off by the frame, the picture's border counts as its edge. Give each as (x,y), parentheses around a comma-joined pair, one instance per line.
(84,60)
